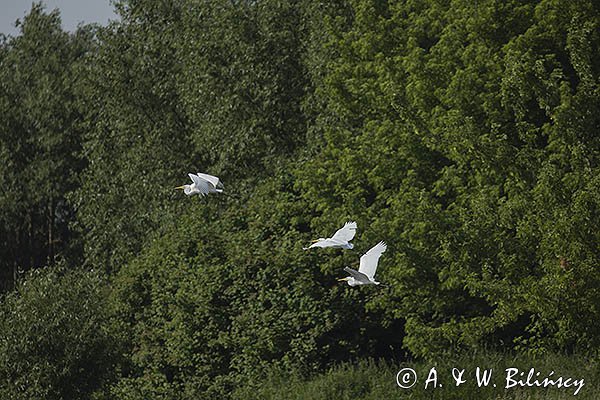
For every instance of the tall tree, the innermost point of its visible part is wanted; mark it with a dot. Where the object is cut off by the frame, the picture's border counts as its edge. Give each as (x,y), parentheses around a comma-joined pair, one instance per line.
(451,130)
(40,142)
(136,133)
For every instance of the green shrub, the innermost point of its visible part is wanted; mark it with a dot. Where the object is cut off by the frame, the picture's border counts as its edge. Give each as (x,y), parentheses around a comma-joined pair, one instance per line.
(56,340)
(370,380)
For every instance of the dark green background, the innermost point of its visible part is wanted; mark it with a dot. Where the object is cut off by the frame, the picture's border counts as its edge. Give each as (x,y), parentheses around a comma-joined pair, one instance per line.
(463,133)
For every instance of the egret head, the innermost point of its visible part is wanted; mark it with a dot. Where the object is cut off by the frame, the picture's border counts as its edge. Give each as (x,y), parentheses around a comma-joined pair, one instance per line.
(186,188)
(347,279)
(350,281)
(350,246)
(318,240)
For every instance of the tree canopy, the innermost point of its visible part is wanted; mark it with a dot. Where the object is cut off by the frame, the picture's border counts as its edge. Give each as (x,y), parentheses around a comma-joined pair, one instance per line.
(464,134)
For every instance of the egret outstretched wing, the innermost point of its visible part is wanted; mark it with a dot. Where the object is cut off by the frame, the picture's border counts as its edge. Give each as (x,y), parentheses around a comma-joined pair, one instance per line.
(345,233)
(359,276)
(212,179)
(203,186)
(340,239)
(369,260)
(321,243)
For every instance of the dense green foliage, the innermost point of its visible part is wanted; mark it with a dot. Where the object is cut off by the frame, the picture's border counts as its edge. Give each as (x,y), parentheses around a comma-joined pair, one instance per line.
(464,134)
(40,143)
(57,340)
(369,380)
(472,134)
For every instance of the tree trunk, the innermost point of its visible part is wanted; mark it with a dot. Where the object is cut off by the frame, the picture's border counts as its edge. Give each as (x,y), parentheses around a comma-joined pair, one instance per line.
(50,225)
(30,239)
(17,257)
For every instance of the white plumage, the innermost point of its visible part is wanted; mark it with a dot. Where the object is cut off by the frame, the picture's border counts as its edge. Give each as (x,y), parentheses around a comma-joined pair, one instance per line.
(202,184)
(368,266)
(340,239)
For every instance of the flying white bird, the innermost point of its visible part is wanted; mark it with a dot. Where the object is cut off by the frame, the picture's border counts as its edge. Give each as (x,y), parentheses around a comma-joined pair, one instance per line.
(368,266)
(339,239)
(202,184)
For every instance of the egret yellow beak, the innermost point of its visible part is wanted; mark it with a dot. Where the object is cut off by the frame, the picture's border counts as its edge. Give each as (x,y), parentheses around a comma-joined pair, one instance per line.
(342,279)
(314,241)
(180,187)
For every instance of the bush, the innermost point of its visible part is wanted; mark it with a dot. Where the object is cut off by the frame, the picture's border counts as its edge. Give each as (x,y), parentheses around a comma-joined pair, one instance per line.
(229,291)
(55,337)
(373,380)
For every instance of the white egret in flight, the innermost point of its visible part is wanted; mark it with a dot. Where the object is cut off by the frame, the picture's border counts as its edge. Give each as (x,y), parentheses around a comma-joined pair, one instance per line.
(368,266)
(202,184)
(339,239)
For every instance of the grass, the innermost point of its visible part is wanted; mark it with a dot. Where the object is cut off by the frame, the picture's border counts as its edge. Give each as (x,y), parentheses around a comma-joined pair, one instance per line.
(375,380)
